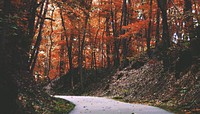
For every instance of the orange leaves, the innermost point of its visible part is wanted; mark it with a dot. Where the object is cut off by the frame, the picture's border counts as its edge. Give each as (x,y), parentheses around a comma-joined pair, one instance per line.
(117,3)
(62,42)
(108,37)
(144,7)
(134,28)
(104,14)
(53,73)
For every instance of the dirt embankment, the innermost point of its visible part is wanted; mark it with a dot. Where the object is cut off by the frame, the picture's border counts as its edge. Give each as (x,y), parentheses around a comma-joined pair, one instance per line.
(151,84)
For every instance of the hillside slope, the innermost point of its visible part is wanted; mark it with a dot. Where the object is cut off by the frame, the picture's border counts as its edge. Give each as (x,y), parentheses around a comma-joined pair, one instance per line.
(151,84)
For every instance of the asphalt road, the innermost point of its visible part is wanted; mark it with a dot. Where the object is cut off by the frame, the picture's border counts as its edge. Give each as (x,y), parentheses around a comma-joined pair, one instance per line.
(101,105)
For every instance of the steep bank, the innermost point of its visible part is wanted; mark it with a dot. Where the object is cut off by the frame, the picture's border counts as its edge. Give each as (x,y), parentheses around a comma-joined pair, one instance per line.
(151,84)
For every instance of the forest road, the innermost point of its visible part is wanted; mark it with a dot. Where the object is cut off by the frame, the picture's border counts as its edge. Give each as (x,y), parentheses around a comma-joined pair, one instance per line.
(101,105)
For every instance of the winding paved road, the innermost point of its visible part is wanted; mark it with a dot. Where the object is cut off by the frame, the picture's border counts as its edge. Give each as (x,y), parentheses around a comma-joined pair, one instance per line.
(100,105)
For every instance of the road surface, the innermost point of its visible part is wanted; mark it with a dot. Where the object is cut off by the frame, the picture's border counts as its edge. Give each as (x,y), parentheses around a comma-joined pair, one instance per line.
(101,105)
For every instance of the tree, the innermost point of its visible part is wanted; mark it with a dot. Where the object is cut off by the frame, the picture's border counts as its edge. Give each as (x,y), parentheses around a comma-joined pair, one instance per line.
(35,50)
(14,44)
(124,40)
(149,30)
(165,32)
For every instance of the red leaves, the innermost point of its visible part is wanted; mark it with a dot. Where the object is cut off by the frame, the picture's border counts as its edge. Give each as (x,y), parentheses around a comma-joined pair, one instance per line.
(134,28)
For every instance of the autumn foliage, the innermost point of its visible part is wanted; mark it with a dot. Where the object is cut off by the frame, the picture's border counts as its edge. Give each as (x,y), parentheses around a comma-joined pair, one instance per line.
(93,31)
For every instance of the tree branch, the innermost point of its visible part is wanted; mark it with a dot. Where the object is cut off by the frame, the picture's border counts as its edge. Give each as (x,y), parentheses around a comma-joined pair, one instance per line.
(48,18)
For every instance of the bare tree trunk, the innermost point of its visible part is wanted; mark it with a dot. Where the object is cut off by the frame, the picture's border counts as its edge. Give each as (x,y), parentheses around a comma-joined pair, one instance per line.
(50,48)
(81,48)
(102,50)
(157,27)
(82,43)
(107,43)
(189,26)
(70,57)
(116,41)
(69,49)
(149,31)
(165,34)
(35,51)
(124,40)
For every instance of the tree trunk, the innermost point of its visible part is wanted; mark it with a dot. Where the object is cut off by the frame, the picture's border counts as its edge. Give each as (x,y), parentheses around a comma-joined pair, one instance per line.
(116,41)
(149,31)
(189,26)
(50,48)
(107,43)
(157,27)
(81,48)
(124,40)
(35,51)
(165,34)
(31,19)
(69,49)
(70,57)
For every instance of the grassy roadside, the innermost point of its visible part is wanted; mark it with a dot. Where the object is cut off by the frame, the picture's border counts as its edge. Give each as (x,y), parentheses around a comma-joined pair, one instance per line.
(169,106)
(61,106)
(41,103)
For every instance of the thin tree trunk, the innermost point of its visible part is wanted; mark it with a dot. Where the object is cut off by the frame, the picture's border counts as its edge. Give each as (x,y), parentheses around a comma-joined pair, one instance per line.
(34,55)
(157,27)
(102,50)
(107,43)
(31,19)
(116,42)
(62,65)
(149,30)
(69,49)
(50,49)
(71,67)
(189,26)
(81,48)
(124,40)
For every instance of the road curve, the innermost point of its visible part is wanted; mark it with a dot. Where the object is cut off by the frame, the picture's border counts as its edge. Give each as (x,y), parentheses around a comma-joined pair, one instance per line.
(101,105)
